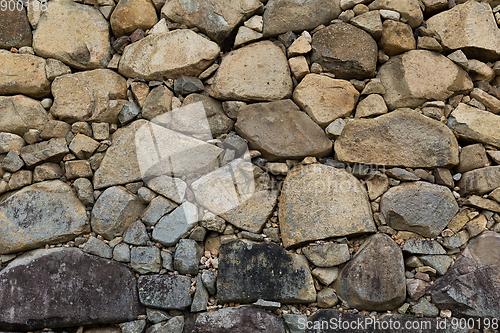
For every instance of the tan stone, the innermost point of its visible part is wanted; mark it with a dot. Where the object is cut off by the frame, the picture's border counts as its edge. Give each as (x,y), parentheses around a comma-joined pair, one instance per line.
(429,43)
(299,67)
(9,141)
(20,113)
(434,6)
(397,38)
(370,22)
(246,35)
(409,9)
(15,30)
(472,157)
(480,181)
(83,146)
(299,46)
(130,15)
(140,91)
(159,101)
(372,105)
(479,71)
(55,129)
(488,100)
(77,169)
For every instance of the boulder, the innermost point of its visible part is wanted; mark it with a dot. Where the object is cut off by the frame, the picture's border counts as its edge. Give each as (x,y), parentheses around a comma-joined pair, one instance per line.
(130,15)
(20,114)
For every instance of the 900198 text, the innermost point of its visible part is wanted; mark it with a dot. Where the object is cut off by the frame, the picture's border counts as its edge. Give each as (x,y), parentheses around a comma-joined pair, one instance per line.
(18,5)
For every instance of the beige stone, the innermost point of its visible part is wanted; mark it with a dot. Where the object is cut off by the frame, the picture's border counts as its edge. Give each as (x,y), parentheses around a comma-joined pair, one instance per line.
(246,35)
(130,15)
(77,169)
(20,114)
(55,129)
(397,38)
(479,71)
(372,105)
(429,43)
(369,22)
(140,91)
(83,146)
(488,100)
(9,141)
(158,102)
(409,9)
(299,67)
(299,46)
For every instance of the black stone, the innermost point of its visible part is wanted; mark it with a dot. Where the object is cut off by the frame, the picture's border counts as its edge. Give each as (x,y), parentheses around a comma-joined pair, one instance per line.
(186,85)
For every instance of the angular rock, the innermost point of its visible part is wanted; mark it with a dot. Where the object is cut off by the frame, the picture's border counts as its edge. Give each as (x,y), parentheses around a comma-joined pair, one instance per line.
(187,257)
(370,22)
(48,171)
(9,141)
(84,191)
(21,113)
(480,181)
(209,281)
(174,325)
(55,129)
(217,120)
(426,76)
(98,248)
(12,162)
(246,35)
(136,234)
(319,201)
(136,326)
(419,207)
(243,265)
(45,151)
(49,300)
(346,51)
(440,263)
(409,9)
(55,68)
(121,252)
(200,298)
(397,37)
(145,259)
(15,29)
(157,208)
(327,254)
(372,105)
(257,72)
(168,56)
(158,102)
(89,47)
(416,288)
(423,246)
(400,138)
(170,187)
(169,292)
(325,99)
(279,130)
(325,275)
(457,240)
(130,15)
(177,224)
(488,100)
(374,278)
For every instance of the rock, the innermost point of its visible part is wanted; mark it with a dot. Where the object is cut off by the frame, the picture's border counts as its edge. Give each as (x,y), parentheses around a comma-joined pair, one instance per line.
(55,129)
(16,30)
(397,37)
(114,211)
(422,246)
(299,67)
(131,15)
(136,234)
(170,187)
(48,171)
(474,30)
(157,208)
(434,6)
(372,105)
(479,71)
(217,19)
(425,308)
(174,325)
(416,288)
(295,322)
(243,319)
(89,47)
(61,304)
(157,316)
(20,179)
(419,207)
(241,274)
(327,298)
(23,74)
(429,43)
(217,120)
(55,68)
(457,240)
(345,209)
(401,138)
(158,102)
(12,162)
(472,124)
(177,224)
(200,298)
(377,184)
(209,281)
(20,114)
(85,96)
(325,99)
(443,177)
(374,278)
(472,157)
(478,267)
(9,141)
(335,128)
(419,70)
(257,72)
(136,326)
(169,292)
(187,257)
(346,51)
(488,100)
(282,16)
(45,151)
(84,191)
(255,23)
(40,226)
(121,252)
(281,131)
(326,275)
(440,263)
(401,174)
(168,56)
(145,259)
(97,247)
(459,58)
(480,181)
(327,254)
(82,146)
(129,111)
(186,85)
(299,47)
(410,10)
(369,22)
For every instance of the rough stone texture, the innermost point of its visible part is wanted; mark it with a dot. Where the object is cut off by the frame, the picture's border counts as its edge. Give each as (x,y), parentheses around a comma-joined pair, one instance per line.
(370,22)
(114,211)
(15,29)
(417,76)
(423,246)
(409,9)
(177,224)
(472,157)
(167,292)
(472,124)
(9,141)
(470,287)
(145,259)
(85,96)
(400,138)
(336,205)
(36,293)
(45,151)
(215,18)
(200,297)
(82,38)
(397,37)
(325,99)
(168,56)
(23,74)
(98,248)
(346,51)
(158,102)
(419,207)
(157,208)
(372,105)
(187,257)
(170,187)
(130,15)
(257,72)
(21,113)
(281,131)
(27,223)
(375,278)
(469,27)
(136,234)
(327,255)
(480,181)
(249,271)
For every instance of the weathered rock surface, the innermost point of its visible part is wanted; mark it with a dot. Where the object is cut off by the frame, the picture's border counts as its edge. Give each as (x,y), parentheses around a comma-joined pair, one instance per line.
(375,278)
(86,96)
(419,207)
(470,287)
(409,9)
(257,72)
(470,27)
(417,76)
(281,131)
(23,74)
(15,29)
(401,138)
(9,141)
(165,291)
(82,38)
(217,120)
(215,18)
(295,15)
(28,223)
(177,224)
(249,271)
(328,254)
(21,113)
(168,56)
(480,181)
(346,51)
(45,151)
(319,201)
(52,288)
(130,15)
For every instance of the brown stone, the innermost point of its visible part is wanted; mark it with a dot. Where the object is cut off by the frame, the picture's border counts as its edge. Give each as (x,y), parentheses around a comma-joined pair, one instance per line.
(480,181)
(409,9)
(20,114)
(397,37)
(130,15)
(472,157)
(15,30)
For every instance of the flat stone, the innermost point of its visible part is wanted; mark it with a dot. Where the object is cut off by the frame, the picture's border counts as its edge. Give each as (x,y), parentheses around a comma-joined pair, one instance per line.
(294,322)
(346,51)
(145,259)
(171,188)
(279,130)
(457,240)
(23,74)
(177,224)
(89,47)
(372,105)
(62,304)
(55,129)
(409,9)
(480,181)
(157,208)
(326,275)
(374,279)
(325,99)
(327,254)
(488,100)
(187,257)
(156,316)
(85,96)
(168,56)
(479,71)
(82,146)
(38,226)
(423,246)
(136,326)
(440,263)
(20,114)
(46,151)
(12,162)
(173,325)
(48,171)
(377,184)
(400,138)
(257,72)
(16,30)
(169,292)
(336,205)
(474,30)
(131,15)
(427,76)
(241,274)
(335,128)
(369,22)
(114,211)
(98,248)
(55,68)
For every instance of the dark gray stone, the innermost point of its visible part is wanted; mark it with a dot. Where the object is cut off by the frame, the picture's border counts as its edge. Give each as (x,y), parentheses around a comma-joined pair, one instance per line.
(12,162)
(295,322)
(186,85)
(169,292)
(136,326)
(136,234)
(129,112)
(98,248)
(145,259)
(177,224)
(158,207)
(174,325)
(157,316)
(57,288)
(439,262)
(209,281)
(200,298)
(187,257)
(121,252)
